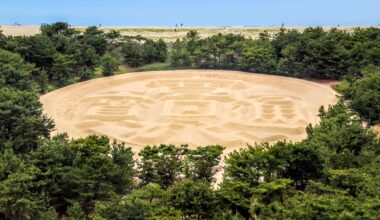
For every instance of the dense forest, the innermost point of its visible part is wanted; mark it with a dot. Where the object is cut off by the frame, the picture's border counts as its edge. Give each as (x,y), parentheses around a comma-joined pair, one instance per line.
(313,53)
(61,55)
(332,174)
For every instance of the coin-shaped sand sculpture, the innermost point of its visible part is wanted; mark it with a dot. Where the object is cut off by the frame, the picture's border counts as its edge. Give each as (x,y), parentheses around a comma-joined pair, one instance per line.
(193,107)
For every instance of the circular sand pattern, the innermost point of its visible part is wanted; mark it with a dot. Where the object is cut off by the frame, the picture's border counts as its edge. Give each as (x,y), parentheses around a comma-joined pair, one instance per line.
(193,107)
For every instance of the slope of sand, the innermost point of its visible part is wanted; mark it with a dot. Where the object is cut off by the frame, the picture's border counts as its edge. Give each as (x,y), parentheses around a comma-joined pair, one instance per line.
(193,107)
(20,30)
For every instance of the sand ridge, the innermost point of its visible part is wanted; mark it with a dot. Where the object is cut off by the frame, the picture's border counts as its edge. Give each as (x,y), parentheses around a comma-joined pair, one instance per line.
(193,107)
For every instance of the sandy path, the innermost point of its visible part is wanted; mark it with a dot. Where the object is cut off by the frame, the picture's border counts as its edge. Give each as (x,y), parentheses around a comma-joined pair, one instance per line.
(193,107)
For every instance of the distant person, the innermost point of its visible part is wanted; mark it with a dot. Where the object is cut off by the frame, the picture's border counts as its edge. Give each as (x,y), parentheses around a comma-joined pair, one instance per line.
(181,25)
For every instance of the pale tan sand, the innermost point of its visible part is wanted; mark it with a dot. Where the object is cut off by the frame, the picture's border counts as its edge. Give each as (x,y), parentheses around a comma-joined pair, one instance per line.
(193,107)
(377,128)
(20,30)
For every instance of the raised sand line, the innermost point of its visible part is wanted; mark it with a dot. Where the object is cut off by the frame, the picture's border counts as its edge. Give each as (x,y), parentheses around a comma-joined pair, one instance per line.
(193,107)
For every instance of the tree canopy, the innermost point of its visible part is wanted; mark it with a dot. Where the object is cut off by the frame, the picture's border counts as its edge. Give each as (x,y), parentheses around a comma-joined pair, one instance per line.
(334,173)
(312,53)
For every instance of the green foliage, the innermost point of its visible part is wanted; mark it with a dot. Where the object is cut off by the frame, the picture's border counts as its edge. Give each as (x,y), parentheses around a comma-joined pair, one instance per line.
(75,212)
(55,29)
(370,185)
(62,68)
(60,55)
(303,163)
(333,174)
(341,137)
(313,53)
(149,202)
(320,207)
(236,196)
(257,164)
(138,51)
(325,176)
(160,164)
(155,67)
(131,52)
(166,164)
(350,180)
(218,51)
(279,181)
(254,174)
(37,49)
(257,58)
(85,56)
(272,191)
(14,71)
(200,162)
(22,123)
(109,64)
(96,38)
(84,170)
(3,39)
(20,194)
(154,51)
(113,36)
(195,199)
(86,74)
(364,96)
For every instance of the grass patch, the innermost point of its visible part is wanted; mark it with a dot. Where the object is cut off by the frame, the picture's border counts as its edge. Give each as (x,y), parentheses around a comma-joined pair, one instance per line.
(124,70)
(154,67)
(127,69)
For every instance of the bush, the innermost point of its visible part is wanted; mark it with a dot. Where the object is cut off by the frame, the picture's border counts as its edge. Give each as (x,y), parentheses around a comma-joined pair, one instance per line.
(109,64)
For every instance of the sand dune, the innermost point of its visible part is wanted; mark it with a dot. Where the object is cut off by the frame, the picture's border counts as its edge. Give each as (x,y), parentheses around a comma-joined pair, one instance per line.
(194,107)
(19,30)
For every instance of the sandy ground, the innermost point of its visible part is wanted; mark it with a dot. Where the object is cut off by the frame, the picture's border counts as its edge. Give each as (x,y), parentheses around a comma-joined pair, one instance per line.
(377,128)
(20,30)
(168,34)
(192,107)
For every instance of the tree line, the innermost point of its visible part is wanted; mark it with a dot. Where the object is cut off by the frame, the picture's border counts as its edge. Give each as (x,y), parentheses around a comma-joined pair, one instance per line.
(363,94)
(312,53)
(332,174)
(60,54)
